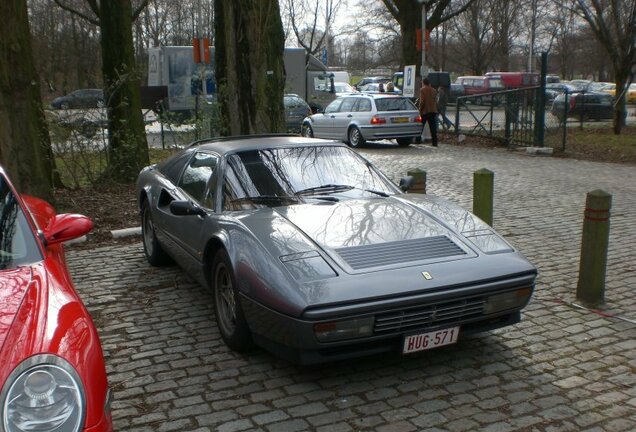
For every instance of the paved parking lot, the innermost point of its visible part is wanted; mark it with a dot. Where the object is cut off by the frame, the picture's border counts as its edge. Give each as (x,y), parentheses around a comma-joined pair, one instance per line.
(562,368)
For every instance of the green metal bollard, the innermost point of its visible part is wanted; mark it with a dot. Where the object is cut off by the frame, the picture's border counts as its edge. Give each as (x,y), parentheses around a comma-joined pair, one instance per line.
(594,244)
(419,180)
(483,187)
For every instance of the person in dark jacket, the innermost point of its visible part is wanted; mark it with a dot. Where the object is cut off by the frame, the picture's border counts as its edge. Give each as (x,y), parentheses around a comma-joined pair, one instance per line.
(428,108)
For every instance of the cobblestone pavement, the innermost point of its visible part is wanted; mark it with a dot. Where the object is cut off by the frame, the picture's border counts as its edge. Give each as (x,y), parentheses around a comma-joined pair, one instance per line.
(562,368)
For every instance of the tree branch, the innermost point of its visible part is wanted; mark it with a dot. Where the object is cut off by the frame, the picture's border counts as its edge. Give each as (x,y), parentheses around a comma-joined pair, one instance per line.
(80,14)
(138,11)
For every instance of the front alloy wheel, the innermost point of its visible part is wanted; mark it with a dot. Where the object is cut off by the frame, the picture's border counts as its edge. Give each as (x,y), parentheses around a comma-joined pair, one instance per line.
(155,254)
(229,314)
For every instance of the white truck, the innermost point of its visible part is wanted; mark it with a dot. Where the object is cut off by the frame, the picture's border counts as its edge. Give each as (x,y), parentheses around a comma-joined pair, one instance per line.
(174,67)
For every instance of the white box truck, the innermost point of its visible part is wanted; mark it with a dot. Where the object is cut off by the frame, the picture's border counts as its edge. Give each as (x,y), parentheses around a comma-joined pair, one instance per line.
(174,67)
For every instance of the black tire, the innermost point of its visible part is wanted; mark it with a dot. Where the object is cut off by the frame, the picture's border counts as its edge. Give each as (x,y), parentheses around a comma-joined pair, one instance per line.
(355,137)
(404,142)
(227,307)
(100,103)
(64,105)
(155,254)
(307,131)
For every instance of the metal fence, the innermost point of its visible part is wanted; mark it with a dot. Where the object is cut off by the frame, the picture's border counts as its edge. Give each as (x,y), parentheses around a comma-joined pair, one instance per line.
(520,117)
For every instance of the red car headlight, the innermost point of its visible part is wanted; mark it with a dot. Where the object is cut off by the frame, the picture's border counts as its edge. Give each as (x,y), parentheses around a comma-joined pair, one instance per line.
(44,393)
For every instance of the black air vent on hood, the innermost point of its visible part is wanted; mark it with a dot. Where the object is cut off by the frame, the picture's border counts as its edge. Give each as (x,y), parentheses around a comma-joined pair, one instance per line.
(375,255)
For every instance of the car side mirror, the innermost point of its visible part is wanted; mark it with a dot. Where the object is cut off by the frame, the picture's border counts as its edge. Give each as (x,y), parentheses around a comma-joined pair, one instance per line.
(185,208)
(65,227)
(406,183)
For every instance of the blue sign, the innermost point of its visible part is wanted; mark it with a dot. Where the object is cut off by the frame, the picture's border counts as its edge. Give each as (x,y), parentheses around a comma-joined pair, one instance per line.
(324,56)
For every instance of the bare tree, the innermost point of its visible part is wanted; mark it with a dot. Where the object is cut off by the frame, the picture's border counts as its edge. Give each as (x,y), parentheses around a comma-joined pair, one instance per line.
(505,31)
(311,21)
(562,33)
(249,66)
(406,14)
(474,31)
(128,148)
(613,22)
(25,147)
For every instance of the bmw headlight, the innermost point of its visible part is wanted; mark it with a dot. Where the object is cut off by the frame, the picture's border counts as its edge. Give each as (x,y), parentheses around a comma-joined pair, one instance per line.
(44,393)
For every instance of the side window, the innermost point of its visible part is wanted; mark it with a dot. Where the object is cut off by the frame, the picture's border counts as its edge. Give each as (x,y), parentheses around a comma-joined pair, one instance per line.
(347,105)
(364,105)
(195,180)
(333,106)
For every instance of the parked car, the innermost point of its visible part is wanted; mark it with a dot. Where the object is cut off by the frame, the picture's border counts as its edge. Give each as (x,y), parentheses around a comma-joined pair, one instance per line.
(373,79)
(356,119)
(630,96)
(552,90)
(379,88)
(455,91)
(82,98)
(313,254)
(343,88)
(514,80)
(296,109)
(580,84)
(584,105)
(52,374)
(480,86)
(630,93)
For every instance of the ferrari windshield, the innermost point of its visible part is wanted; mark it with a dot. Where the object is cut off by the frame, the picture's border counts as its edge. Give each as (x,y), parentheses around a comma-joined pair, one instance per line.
(17,245)
(329,173)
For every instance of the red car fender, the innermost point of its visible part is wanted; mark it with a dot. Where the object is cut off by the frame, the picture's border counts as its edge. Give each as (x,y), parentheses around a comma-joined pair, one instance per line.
(52,320)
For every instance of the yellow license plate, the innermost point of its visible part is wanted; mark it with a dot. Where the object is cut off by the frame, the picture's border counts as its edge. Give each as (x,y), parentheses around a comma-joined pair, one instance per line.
(399,119)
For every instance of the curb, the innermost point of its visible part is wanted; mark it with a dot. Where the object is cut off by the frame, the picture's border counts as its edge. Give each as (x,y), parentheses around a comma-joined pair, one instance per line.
(126,232)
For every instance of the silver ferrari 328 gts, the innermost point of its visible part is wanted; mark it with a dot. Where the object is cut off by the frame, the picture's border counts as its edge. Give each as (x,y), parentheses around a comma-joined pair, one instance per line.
(314,254)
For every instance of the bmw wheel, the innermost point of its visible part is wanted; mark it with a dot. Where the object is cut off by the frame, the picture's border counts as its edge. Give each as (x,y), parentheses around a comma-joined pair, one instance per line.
(229,314)
(155,254)
(307,131)
(355,137)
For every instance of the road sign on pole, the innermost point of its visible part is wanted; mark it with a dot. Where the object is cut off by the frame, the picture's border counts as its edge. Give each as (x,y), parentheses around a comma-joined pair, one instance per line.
(409,81)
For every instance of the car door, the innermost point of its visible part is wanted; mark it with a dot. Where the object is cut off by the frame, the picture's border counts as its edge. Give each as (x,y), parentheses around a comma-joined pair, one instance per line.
(322,122)
(197,186)
(342,118)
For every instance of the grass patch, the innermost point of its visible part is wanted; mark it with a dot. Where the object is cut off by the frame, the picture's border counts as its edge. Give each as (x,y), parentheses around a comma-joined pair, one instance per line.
(597,144)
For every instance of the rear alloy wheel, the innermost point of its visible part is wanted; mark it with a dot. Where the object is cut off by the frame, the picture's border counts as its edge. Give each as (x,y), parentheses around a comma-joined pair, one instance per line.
(155,254)
(307,131)
(404,142)
(227,307)
(355,137)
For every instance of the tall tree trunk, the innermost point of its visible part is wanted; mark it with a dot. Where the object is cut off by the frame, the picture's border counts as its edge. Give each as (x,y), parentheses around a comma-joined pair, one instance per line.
(128,147)
(250,71)
(408,14)
(25,146)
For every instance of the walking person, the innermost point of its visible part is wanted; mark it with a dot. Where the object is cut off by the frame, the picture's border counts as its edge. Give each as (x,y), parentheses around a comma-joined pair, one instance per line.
(428,108)
(442,100)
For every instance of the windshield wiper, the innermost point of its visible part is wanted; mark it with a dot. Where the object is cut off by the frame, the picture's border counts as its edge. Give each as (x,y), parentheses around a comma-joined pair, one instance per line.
(266,199)
(377,192)
(324,189)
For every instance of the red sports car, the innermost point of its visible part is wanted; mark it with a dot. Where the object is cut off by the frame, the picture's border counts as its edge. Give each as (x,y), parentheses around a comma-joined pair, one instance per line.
(52,374)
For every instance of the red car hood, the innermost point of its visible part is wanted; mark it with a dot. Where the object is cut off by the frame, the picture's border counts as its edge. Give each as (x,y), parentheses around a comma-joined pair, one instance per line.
(13,285)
